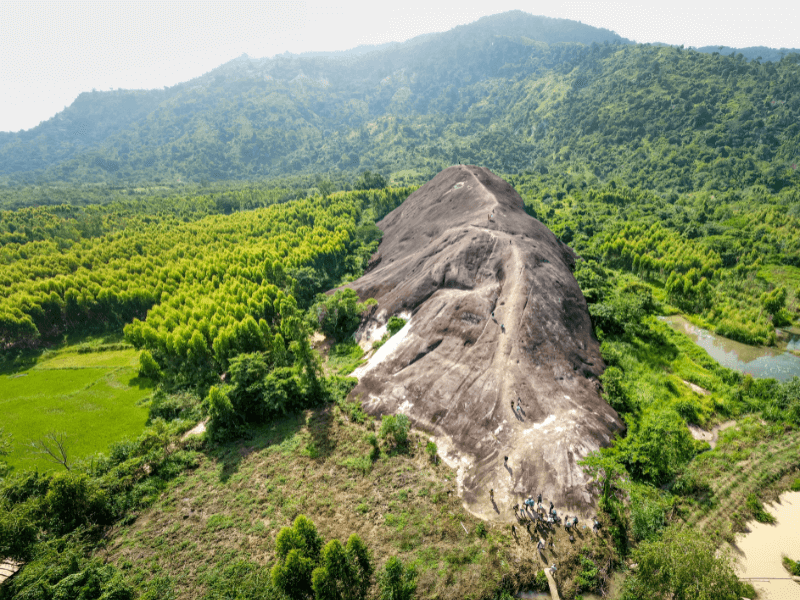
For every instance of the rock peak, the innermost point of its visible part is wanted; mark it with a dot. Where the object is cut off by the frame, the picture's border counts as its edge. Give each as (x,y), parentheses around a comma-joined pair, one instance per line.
(459,250)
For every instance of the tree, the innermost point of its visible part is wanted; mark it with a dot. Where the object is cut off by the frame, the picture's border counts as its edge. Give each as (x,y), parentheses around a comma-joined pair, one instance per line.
(345,572)
(298,549)
(657,446)
(397,582)
(54,446)
(682,565)
(370,181)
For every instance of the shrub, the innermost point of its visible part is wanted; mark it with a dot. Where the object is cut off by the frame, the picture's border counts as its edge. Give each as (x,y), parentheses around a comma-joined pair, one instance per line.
(74,500)
(396,427)
(298,548)
(540,582)
(587,576)
(682,564)
(394,325)
(792,566)
(753,504)
(480,530)
(396,582)
(345,572)
(796,485)
(432,450)
(338,315)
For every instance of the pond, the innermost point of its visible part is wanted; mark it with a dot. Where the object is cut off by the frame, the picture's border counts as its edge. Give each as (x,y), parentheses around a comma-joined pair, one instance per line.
(759,361)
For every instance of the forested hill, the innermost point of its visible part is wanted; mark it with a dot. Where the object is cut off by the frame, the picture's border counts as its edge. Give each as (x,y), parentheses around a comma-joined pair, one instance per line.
(512,92)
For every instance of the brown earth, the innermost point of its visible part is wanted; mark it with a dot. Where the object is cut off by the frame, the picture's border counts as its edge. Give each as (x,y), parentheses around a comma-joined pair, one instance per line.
(452,370)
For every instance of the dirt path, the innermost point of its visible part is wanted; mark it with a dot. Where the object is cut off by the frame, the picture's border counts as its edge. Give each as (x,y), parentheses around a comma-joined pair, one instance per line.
(508,311)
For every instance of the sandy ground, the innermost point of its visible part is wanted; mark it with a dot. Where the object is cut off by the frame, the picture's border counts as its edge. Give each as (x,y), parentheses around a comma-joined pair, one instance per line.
(760,552)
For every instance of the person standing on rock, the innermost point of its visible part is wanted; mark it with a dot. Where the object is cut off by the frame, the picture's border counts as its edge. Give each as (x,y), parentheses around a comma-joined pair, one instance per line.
(502,328)
(539,498)
(491,494)
(505,461)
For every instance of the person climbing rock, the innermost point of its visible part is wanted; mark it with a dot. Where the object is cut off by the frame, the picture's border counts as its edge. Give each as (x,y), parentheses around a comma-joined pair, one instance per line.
(540,545)
(505,461)
(595,525)
(502,328)
(491,494)
(493,314)
(575,521)
(539,498)
(513,530)
(551,506)
(553,567)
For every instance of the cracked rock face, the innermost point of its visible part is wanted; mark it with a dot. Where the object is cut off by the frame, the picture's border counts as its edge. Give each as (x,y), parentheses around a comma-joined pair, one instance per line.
(458,249)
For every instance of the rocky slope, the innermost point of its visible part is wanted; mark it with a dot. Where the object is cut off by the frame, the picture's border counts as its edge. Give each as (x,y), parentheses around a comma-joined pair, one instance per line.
(447,266)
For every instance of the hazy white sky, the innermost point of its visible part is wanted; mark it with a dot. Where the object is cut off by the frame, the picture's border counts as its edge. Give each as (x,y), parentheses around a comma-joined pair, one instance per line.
(52,51)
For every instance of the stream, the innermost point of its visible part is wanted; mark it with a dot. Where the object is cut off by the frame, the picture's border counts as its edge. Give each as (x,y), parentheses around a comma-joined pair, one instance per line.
(759,361)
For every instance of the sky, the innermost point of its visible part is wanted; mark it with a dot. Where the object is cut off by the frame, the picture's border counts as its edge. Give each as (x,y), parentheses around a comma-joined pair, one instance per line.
(50,52)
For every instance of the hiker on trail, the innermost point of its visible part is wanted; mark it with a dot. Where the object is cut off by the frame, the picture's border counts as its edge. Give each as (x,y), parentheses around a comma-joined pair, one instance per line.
(575,521)
(539,498)
(595,526)
(513,530)
(551,506)
(567,523)
(540,545)
(553,568)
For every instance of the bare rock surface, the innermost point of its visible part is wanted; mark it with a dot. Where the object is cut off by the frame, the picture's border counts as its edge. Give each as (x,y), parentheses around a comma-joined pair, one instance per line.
(458,249)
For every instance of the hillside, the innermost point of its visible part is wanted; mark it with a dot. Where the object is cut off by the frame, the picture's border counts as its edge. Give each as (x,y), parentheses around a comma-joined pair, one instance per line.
(514,92)
(495,315)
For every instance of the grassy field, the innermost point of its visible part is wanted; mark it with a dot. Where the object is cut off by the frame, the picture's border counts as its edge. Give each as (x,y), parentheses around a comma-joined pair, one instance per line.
(233,505)
(87,390)
(754,459)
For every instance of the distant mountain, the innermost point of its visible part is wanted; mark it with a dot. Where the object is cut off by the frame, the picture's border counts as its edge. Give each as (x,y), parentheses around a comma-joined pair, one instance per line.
(510,92)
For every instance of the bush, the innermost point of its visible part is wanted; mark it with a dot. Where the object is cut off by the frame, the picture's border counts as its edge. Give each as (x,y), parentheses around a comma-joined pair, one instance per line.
(345,572)
(394,325)
(753,504)
(792,566)
(396,582)
(298,548)
(480,531)
(682,564)
(587,580)
(74,500)
(796,485)
(338,315)
(396,427)
(432,450)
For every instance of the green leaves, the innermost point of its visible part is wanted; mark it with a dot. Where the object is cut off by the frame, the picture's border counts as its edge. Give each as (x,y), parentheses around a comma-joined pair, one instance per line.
(682,565)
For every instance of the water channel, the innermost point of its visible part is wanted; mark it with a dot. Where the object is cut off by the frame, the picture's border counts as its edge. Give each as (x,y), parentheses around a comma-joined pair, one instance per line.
(779,362)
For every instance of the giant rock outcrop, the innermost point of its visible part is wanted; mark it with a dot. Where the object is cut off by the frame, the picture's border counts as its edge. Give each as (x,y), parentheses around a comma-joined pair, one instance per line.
(458,249)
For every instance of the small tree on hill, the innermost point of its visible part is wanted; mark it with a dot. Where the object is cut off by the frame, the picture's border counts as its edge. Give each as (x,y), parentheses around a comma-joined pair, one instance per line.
(396,427)
(345,572)
(298,548)
(397,582)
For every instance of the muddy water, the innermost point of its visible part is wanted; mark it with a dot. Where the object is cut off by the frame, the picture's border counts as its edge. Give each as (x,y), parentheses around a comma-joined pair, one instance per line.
(760,551)
(759,361)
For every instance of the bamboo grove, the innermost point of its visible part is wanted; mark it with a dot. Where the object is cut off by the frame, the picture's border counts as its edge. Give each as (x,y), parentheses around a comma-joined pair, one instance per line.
(193,294)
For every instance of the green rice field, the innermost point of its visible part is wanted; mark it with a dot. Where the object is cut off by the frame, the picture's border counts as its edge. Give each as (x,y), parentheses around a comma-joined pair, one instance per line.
(94,398)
